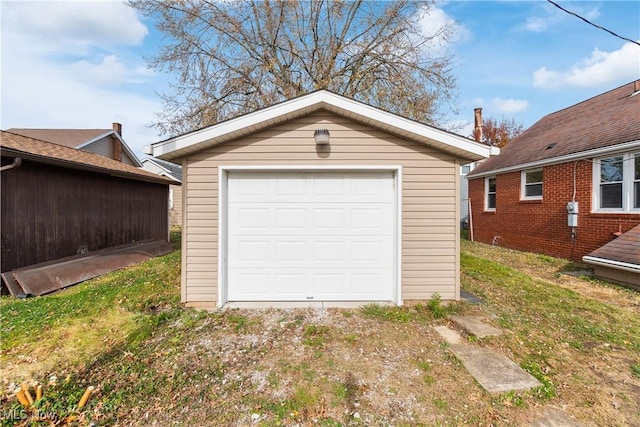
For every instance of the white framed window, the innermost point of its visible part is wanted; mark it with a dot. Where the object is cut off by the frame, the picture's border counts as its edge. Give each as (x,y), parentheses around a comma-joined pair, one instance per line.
(531,185)
(465,169)
(490,193)
(616,183)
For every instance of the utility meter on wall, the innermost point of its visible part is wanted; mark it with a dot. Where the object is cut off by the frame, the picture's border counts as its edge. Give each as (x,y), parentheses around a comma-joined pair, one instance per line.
(572,210)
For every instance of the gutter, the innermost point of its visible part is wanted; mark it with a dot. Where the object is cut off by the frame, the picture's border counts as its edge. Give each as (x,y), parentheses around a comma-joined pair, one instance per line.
(84,166)
(561,159)
(603,262)
(17,161)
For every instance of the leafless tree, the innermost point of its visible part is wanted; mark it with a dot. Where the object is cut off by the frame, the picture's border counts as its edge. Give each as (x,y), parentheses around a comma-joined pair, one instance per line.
(231,57)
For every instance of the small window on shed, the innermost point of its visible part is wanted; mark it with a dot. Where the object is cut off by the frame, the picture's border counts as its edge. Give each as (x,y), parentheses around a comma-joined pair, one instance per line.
(531,185)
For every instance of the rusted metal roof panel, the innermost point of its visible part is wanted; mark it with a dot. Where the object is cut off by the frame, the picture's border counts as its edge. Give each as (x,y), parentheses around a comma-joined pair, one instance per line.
(44,278)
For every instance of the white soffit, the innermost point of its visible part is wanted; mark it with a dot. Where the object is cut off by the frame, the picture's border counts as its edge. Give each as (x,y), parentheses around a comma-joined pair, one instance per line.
(183,145)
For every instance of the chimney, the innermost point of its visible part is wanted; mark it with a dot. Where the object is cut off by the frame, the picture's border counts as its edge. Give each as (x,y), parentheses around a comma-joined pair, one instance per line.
(117,145)
(477,128)
(636,86)
(118,128)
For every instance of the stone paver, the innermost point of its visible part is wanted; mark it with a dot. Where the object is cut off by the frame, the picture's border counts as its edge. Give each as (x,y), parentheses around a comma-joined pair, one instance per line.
(449,335)
(553,417)
(470,298)
(474,325)
(495,372)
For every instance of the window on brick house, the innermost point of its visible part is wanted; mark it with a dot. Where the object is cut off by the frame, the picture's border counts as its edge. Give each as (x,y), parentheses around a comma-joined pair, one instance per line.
(490,194)
(531,185)
(617,183)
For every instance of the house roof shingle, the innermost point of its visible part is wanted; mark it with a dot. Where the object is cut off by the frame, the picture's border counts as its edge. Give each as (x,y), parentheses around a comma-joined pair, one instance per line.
(625,249)
(606,120)
(50,153)
(67,137)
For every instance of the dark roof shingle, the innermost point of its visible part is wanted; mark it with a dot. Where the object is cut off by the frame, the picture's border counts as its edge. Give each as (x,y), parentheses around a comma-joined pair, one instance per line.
(625,249)
(47,152)
(605,120)
(67,137)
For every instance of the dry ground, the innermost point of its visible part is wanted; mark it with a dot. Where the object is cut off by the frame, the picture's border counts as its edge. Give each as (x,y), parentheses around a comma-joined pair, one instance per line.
(375,366)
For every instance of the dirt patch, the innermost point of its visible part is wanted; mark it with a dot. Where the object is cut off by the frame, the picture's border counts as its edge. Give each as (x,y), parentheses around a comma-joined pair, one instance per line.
(311,367)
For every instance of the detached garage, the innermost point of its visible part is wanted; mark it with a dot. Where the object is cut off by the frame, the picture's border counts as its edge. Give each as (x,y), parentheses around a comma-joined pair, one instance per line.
(319,201)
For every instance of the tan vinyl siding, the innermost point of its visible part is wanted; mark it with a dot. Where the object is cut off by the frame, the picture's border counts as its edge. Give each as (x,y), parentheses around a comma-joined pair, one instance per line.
(430,188)
(175,213)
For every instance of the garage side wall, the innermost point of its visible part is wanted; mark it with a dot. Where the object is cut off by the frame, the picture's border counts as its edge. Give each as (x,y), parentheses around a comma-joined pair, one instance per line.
(430,207)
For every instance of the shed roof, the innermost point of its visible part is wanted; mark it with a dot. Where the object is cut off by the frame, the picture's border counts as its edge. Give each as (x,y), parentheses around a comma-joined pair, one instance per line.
(74,138)
(46,152)
(603,123)
(169,169)
(622,253)
(184,145)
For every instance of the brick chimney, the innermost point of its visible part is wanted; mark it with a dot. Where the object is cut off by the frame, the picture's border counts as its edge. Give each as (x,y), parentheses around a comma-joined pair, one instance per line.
(118,128)
(477,128)
(117,145)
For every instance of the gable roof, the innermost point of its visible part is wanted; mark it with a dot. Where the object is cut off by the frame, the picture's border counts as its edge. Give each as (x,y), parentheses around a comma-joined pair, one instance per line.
(183,145)
(602,124)
(58,155)
(170,170)
(75,138)
(622,253)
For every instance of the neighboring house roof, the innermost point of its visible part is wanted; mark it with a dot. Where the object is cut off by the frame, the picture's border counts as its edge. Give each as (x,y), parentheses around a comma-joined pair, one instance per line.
(46,152)
(622,253)
(181,146)
(602,124)
(168,169)
(75,138)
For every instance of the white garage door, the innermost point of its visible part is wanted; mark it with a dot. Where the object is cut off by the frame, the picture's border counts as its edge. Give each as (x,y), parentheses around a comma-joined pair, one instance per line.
(319,236)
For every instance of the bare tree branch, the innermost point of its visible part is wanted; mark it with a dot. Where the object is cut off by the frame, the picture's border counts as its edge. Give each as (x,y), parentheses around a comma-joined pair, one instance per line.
(230,57)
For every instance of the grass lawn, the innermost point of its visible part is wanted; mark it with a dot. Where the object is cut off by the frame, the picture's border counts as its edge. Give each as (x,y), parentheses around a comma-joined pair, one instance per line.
(151,361)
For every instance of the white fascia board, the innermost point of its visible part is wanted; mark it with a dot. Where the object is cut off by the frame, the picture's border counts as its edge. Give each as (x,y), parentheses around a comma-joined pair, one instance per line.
(597,152)
(163,171)
(618,265)
(252,122)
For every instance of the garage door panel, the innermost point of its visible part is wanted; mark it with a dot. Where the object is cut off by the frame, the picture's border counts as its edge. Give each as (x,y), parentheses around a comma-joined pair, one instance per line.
(327,251)
(310,236)
(290,284)
(291,218)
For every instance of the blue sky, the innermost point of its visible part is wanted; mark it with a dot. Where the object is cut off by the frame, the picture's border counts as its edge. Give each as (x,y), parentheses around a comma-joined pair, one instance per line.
(79,64)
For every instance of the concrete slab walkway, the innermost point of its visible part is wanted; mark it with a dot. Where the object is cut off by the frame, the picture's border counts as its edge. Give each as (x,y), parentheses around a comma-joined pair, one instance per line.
(474,325)
(553,417)
(495,373)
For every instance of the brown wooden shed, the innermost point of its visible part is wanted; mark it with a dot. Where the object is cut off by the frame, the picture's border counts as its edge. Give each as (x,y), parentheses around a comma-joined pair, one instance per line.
(59,202)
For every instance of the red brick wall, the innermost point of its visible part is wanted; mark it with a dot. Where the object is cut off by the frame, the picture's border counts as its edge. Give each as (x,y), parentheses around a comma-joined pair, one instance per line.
(541,226)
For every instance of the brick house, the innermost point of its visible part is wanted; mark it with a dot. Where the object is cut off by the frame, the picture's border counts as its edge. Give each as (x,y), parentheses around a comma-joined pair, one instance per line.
(587,154)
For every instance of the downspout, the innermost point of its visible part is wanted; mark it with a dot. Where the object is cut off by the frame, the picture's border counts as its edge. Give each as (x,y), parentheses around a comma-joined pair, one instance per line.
(16,163)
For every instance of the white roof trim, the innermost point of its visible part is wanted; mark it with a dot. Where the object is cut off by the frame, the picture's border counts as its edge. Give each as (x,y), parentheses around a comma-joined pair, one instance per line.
(597,152)
(166,172)
(192,142)
(618,265)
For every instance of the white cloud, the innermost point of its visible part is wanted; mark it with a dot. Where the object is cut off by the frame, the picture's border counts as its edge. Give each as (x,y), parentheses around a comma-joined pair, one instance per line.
(509,106)
(84,23)
(74,65)
(554,17)
(441,28)
(601,68)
